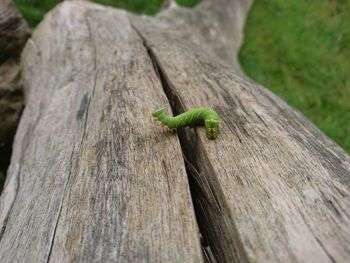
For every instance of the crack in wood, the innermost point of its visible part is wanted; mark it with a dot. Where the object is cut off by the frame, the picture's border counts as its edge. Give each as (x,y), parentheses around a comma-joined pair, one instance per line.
(87,106)
(52,240)
(71,162)
(204,196)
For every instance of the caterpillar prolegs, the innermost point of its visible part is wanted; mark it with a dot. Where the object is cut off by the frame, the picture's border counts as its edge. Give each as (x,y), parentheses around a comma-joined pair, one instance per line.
(196,116)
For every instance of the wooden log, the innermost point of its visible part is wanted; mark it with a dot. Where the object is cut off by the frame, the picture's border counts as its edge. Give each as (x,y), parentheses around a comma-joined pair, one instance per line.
(91,178)
(94,179)
(272,187)
(215,26)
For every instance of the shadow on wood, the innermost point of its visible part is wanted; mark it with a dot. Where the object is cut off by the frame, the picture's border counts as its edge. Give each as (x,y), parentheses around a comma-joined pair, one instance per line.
(14,33)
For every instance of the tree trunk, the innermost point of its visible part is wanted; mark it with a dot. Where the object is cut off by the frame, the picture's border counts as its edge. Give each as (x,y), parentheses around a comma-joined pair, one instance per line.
(93,178)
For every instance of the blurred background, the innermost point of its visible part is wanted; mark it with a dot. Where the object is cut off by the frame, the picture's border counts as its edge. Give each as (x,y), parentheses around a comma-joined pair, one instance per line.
(299,49)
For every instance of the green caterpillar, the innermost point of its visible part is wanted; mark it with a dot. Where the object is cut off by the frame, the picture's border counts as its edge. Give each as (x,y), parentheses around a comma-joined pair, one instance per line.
(197,116)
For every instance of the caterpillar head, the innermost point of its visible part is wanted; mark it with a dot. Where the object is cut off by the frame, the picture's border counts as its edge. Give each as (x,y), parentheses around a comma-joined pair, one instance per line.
(158,112)
(212,128)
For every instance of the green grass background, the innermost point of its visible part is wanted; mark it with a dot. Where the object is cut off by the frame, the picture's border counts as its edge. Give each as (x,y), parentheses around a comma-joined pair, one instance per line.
(299,49)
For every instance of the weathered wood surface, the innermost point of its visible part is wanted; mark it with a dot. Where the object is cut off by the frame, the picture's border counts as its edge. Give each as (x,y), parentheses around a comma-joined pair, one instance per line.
(93,178)
(216,26)
(272,187)
(278,187)
(96,179)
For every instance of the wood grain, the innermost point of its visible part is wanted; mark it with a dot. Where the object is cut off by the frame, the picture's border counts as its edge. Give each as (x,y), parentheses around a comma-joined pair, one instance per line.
(94,180)
(216,26)
(272,187)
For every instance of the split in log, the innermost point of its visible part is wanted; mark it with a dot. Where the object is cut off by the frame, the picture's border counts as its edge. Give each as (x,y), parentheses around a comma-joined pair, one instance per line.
(93,178)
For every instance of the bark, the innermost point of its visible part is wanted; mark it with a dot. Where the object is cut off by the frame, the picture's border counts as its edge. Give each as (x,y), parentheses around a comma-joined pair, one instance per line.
(216,26)
(14,32)
(105,186)
(94,178)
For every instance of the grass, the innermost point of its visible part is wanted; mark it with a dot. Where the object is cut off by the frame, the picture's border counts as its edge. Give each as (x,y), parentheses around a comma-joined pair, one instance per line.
(299,49)
(34,10)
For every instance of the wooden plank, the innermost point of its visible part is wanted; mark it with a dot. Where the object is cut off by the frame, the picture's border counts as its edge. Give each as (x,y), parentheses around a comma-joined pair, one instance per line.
(93,177)
(272,187)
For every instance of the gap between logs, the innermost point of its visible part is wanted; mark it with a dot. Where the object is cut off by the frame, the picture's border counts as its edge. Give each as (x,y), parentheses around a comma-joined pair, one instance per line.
(213,219)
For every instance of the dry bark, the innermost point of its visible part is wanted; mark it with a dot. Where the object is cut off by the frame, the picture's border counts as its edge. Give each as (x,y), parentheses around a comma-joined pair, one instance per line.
(104,186)
(94,178)
(14,32)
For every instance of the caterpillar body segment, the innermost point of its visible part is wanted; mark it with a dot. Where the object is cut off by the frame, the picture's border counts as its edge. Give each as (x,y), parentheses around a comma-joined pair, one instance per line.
(193,117)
